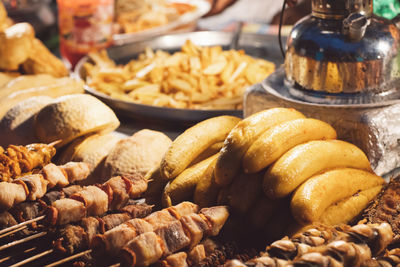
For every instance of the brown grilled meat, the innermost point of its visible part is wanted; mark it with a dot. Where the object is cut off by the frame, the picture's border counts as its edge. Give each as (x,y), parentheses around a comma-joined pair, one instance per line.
(17,160)
(386,208)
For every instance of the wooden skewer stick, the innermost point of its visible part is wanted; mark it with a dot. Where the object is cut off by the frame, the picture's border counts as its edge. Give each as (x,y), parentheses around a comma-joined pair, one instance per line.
(23,240)
(10,256)
(44,253)
(5,230)
(75,256)
(55,143)
(14,231)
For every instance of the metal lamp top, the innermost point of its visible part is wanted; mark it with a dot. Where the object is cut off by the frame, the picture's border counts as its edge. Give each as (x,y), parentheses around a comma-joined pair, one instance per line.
(339,9)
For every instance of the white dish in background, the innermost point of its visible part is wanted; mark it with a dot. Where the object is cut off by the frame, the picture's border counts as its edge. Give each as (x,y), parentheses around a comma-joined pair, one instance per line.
(188,20)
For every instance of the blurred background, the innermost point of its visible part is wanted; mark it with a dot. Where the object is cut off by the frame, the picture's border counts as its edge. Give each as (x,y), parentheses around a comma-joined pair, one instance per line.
(42,14)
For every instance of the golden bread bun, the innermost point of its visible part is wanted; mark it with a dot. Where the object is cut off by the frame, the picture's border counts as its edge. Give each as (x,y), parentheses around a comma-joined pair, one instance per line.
(24,82)
(72,116)
(92,150)
(15,45)
(27,86)
(136,155)
(6,77)
(17,125)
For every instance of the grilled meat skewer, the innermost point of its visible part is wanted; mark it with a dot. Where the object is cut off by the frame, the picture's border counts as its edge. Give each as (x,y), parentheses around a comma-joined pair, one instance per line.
(186,232)
(183,259)
(72,238)
(391,258)
(95,200)
(357,245)
(18,160)
(28,210)
(34,186)
(115,239)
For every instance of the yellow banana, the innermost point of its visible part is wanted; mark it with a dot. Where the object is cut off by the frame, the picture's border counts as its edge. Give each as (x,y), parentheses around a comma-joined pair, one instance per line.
(206,192)
(190,144)
(243,135)
(309,159)
(272,144)
(346,210)
(244,191)
(211,150)
(183,186)
(319,192)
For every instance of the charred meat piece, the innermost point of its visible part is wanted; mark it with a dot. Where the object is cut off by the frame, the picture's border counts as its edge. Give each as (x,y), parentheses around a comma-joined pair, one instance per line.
(65,210)
(55,175)
(386,208)
(173,236)
(36,184)
(11,194)
(72,238)
(170,237)
(76,171)
(94,199)
(7,220)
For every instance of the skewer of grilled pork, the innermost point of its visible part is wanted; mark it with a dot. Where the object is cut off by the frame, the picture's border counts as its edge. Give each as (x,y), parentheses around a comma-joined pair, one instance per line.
(17,160)
(29,210)
(183,259)
(186,232)
(112,241)
(95,200)
(107,245)
(391,258)
(356,245)
(75,237)
(34,186)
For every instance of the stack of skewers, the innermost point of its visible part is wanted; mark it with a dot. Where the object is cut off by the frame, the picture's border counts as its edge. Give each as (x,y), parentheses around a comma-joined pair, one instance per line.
(48,217)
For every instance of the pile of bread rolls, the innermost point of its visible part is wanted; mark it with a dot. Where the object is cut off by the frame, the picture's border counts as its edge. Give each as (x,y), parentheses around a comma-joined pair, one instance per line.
(278,169)
(82,127)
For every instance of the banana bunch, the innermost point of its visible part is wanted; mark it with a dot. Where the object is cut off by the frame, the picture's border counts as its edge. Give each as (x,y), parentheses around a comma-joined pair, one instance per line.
(189,162)
(276,168)
(301,166)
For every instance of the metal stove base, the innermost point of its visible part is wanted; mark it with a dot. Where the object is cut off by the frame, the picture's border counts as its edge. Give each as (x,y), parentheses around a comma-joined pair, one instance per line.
(374,127)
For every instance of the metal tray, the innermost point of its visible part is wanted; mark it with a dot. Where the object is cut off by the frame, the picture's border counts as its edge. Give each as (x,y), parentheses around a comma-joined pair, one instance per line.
(256,45)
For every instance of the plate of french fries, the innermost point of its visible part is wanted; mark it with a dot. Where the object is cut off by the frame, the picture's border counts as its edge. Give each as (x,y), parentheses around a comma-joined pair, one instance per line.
(140,19)
(181,77)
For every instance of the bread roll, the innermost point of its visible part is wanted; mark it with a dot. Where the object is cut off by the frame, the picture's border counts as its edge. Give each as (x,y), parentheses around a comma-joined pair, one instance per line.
(6,77)
(136,155)
(92,150)
(72,116)
(17,125)
(27,86)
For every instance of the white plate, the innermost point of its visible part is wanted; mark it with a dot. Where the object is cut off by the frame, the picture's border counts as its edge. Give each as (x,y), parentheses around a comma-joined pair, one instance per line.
(202,8)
